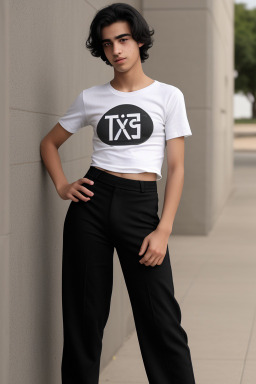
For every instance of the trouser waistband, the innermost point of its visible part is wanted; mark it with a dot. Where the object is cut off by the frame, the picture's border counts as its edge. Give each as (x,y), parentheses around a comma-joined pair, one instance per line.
(120,182)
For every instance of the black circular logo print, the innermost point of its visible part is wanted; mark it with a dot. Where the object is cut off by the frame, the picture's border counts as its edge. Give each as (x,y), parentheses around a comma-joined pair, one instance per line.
(125,124)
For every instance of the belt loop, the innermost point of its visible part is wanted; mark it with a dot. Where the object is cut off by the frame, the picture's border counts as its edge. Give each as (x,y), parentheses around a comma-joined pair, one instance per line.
(141,185)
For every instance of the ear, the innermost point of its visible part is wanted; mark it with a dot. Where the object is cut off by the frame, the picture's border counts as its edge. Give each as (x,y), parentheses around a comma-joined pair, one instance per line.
(140,44)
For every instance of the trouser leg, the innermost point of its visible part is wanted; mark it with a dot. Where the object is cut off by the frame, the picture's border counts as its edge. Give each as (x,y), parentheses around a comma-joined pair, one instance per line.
(87,278)
(157,315)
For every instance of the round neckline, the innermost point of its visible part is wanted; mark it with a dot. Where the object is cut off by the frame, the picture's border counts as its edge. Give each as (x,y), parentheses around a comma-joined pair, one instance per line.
(126,94)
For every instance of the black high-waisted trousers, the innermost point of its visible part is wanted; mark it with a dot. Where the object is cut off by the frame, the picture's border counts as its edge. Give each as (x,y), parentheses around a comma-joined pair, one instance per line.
(119,215)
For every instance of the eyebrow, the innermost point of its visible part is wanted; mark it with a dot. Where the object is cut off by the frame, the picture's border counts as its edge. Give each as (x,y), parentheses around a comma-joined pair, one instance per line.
(116,37)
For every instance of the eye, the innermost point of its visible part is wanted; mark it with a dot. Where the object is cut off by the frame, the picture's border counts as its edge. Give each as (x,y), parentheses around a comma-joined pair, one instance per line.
(106,44)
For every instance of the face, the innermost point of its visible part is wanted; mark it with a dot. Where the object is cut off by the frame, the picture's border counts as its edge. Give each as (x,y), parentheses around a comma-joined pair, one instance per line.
(118,46)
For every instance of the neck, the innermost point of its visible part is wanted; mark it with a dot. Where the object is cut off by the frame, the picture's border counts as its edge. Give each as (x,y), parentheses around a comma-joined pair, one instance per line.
(129,82)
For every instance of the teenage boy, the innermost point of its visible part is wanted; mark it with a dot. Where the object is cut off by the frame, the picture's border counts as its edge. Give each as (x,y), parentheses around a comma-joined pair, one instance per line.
(115,205)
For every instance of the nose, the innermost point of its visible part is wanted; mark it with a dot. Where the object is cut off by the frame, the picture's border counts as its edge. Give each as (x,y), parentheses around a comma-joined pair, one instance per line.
(116,49)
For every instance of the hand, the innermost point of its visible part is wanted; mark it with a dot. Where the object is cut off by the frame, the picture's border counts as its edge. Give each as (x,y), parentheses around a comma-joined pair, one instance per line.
(157,245)
(69,191)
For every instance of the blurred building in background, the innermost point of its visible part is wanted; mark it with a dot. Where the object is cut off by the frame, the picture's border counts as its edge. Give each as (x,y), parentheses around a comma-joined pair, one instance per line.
(242,107)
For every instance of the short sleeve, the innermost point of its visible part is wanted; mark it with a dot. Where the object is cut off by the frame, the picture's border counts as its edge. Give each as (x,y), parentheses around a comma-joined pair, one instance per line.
(176,123)
(75,116)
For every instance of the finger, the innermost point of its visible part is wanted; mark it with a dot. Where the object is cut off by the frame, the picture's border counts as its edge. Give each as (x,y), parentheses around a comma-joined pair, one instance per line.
(82,197)
(143,246)
(160,261)
(145,258)
(86,191)
(150,261)
(155,262)
(85,179)
(73,199)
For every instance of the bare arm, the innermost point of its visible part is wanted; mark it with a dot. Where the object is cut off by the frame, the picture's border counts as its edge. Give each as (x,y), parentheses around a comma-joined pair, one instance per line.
(50,155)
(174,183)
(156,242)
(49,152)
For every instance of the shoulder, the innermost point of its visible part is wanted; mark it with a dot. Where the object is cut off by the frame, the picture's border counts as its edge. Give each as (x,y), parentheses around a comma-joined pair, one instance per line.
(170,94)
(94,89)
(170,88)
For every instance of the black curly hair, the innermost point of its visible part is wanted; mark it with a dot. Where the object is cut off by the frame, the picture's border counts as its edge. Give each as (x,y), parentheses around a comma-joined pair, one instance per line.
(119,12)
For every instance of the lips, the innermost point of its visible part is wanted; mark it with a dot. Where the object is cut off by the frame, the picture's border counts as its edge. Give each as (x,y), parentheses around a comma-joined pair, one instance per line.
(120,59)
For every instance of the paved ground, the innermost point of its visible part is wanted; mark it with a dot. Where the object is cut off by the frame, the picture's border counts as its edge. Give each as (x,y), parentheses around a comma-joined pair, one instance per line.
(245,137)
(215,284)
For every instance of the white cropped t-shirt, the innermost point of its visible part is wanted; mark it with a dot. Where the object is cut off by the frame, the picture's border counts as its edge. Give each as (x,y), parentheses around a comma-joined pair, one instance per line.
(130,128)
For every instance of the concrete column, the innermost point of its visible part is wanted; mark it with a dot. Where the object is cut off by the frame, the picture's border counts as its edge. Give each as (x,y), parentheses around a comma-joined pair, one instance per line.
(193,50)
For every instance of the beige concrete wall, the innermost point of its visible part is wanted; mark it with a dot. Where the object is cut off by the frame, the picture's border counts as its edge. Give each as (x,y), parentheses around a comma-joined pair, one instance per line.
(46,65)
(4,194)
(49,66)
(193,50)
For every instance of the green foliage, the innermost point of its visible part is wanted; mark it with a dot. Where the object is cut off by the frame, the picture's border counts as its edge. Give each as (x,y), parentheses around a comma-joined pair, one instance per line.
(245,49)
(245,121)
